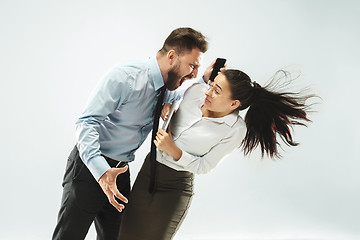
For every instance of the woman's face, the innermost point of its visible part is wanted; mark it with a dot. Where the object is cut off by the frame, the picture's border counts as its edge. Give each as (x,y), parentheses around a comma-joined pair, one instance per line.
(218,97)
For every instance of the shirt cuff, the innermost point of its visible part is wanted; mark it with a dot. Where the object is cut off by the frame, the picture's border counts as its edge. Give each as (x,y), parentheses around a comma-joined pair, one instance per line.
(184,160)
(98,166)
(200,80)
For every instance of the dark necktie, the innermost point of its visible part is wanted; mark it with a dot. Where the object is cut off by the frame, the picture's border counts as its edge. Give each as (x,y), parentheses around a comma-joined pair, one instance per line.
(156,116)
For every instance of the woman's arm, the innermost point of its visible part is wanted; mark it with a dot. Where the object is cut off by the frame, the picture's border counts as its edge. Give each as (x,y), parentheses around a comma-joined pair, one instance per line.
(165,143)
(206,162)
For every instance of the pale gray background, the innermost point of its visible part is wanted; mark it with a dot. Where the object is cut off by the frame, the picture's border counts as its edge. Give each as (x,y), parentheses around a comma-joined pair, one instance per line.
(54,52)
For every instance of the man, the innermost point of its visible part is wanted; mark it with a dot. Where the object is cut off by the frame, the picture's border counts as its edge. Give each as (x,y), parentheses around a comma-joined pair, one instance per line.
(114,124)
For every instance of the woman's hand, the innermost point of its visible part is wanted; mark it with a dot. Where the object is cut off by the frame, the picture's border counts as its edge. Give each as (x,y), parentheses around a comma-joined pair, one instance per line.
(165,111)
(209,70)
(165,143)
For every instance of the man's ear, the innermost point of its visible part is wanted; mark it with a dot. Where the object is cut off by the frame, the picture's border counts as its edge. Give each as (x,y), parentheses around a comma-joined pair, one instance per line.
(171,56)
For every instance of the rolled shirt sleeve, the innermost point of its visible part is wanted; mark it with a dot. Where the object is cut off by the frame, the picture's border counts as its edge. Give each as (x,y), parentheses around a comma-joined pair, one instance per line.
(205,163)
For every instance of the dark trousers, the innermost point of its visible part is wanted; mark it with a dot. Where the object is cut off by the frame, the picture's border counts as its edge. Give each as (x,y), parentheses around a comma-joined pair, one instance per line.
(83,202)
(159,215)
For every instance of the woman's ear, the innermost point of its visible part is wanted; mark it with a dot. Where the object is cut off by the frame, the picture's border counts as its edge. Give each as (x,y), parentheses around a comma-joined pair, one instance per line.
(235,104)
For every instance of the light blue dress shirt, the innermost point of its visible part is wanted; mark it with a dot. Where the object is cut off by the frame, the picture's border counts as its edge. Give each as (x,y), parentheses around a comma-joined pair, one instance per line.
(118,117)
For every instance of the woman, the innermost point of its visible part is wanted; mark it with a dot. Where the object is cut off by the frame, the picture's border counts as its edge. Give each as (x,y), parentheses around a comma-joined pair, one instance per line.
(205,129)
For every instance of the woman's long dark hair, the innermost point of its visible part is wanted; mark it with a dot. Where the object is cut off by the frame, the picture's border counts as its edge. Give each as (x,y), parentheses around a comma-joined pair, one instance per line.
(270,113)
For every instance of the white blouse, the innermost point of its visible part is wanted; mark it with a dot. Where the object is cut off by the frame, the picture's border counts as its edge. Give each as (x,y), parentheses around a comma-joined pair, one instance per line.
(204,141)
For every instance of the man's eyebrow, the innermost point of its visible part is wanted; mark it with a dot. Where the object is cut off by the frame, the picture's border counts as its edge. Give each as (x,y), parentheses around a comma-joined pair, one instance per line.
(196,64)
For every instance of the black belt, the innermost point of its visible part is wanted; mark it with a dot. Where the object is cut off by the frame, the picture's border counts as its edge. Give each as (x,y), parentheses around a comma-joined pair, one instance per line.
(114,163)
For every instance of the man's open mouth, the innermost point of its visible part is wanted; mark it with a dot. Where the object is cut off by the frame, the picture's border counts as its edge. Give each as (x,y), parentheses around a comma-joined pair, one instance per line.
(184,79)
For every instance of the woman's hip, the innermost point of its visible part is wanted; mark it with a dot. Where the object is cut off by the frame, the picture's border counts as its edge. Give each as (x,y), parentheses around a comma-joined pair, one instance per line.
(166,178)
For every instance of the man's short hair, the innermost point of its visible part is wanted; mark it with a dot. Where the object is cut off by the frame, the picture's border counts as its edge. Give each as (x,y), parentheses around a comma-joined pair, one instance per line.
(184,40)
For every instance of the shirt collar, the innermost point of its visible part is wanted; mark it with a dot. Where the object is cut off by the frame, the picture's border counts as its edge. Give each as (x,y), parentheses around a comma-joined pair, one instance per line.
(229,119)
(156,74)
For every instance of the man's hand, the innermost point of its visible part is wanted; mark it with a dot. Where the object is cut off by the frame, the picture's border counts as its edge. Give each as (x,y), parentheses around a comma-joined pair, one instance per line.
(165,111)
(108,184)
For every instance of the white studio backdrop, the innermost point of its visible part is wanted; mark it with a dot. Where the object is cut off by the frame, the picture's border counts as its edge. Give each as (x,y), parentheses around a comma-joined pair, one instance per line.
(53,53)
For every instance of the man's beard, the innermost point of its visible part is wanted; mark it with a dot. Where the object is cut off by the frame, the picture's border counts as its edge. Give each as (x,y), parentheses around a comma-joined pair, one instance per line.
(173,77)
